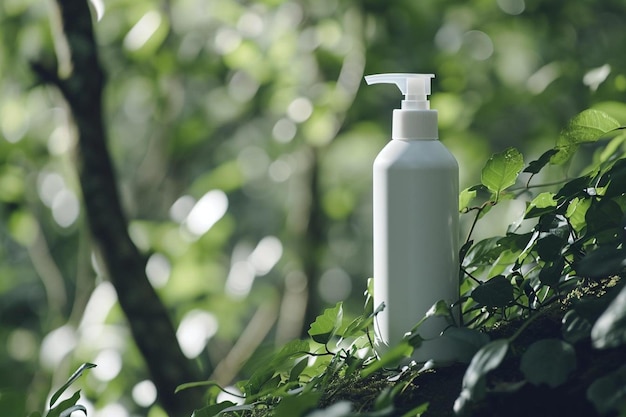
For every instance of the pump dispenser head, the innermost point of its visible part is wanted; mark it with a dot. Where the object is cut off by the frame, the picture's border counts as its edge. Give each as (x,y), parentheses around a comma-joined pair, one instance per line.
(414,120)
(415,87)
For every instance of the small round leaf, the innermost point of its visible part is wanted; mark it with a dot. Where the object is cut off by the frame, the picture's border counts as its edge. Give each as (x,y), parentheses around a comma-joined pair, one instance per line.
(548,361)
(497,292)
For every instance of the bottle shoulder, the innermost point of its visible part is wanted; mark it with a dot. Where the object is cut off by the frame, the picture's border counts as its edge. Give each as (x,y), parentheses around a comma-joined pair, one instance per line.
(415,153)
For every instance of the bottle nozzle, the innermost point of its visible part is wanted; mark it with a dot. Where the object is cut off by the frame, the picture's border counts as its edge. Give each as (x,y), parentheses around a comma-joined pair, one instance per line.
(415,87)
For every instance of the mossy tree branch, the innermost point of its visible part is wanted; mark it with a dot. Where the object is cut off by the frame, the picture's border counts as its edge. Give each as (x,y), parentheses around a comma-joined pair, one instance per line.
(148,318)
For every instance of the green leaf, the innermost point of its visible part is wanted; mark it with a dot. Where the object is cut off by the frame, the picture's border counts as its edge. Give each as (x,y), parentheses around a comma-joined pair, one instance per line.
(465,197)
(602,262)
(549,247)
(291,349)
(259,378)
(535,166)
(497,292)
(391,357)
(588,126)
(297,369)
(361,323)
(616,177)
(501,170)
(551,275)
(541,204)
(297,405)
(488,358)
(68,412)
(610,328)
(70,381)
(384,399)
(574,188)
(607,393)
(196,384)
(326,325)
(576,211)
(440,309)
(212,410)
(603,215)
(468,341)
(417,411)
(548,361)
(64,405)
(368,306)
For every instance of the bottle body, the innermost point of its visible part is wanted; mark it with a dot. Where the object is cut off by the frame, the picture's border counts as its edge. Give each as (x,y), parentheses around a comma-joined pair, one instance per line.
(416,187)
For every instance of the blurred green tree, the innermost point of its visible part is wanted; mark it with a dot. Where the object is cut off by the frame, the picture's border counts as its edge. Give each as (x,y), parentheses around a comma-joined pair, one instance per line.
(241,146)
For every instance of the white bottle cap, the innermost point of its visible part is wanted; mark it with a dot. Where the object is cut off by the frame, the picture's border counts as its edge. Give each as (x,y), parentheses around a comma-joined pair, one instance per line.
(414,120)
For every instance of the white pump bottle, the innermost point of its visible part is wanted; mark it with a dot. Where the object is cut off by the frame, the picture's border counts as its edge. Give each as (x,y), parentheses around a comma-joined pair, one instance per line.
(416,188)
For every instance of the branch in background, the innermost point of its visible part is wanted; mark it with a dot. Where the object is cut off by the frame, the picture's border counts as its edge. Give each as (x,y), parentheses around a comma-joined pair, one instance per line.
(148,318)
(250,339)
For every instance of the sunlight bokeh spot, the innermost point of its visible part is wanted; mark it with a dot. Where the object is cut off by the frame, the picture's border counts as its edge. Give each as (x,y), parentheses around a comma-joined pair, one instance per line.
(144,393)
(240,279)
(512,7)
(266,254)
(206,212)
(543,77)
(250,24)
(227,40)
(334,285)
(112,410)
(14,120)
(98,6)
(181,208)
(284,131)
(56,345)
(253,162)
(61,140)
(195,330)
(596,76)
(109,365)
(478,44)
(21,345)
(280,170)
(158,269)
(102,300)
(300,109)
(242,87)
(449,38)
(49,184)
(143,30)
(65,208)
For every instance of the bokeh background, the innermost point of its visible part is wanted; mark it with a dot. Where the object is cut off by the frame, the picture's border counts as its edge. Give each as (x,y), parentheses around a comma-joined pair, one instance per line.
(243,137)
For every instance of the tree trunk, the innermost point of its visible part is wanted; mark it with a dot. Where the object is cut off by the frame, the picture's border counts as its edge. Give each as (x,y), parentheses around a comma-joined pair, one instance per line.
(148,318)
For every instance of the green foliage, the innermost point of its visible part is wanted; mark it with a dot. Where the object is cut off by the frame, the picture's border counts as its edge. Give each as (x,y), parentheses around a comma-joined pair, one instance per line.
(548,361)
(261,100)
(66,407)
(588,126)
(501,171)
(325,326)
(486,359)
(577,237)
(607,393)
(567,255)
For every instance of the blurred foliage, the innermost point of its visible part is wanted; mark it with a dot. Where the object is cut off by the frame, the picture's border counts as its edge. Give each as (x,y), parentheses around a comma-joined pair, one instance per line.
(243,146)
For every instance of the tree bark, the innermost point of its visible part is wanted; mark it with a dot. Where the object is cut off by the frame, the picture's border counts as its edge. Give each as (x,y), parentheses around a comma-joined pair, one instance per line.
(148,318)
